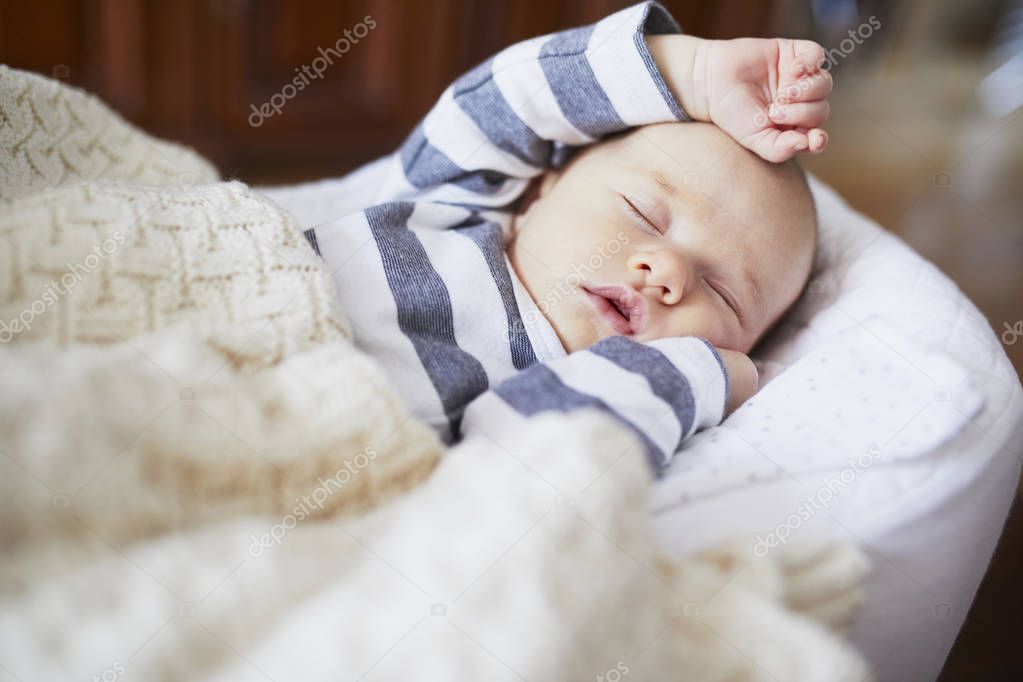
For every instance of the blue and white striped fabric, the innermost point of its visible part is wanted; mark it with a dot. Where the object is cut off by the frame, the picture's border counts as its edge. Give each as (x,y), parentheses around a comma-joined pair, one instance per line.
(663,391)
(423,276)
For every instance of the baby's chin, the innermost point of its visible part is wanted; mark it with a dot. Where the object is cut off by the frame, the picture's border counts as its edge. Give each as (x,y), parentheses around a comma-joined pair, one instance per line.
(574,325)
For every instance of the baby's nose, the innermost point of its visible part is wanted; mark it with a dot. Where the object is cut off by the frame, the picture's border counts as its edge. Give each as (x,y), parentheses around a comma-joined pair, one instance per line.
(664,272)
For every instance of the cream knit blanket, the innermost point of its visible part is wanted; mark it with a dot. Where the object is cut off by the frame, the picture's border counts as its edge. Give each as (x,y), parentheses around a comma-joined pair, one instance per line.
(203,479)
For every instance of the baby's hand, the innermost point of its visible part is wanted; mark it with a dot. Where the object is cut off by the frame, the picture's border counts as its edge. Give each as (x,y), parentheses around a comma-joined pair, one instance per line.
(742,378)
(768,94)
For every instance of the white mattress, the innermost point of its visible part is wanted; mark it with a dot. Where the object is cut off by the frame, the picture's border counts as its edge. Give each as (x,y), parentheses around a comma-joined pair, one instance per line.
(928,410)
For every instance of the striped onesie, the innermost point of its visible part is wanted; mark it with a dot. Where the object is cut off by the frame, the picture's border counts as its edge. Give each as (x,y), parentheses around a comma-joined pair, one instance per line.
(422,273)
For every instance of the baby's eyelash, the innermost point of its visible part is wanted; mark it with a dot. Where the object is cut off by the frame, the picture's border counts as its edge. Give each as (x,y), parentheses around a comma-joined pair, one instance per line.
(639,214)
(728,300)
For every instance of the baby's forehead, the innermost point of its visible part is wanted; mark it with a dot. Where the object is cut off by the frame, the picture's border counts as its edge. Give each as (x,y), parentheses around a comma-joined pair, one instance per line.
(700,154)
(699,159)
(689,145)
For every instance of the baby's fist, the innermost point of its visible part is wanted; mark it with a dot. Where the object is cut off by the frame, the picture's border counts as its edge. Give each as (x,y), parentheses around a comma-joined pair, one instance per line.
(742,378)
(770,95)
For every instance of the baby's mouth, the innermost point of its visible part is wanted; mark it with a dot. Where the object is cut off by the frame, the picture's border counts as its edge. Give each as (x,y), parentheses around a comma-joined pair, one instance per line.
(620,307)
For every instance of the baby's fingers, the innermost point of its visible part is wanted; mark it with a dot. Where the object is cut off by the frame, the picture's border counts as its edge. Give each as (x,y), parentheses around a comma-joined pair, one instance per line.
(807,88)
(776,146)
(801,77)
(800,114)
(807,57)
(817,141)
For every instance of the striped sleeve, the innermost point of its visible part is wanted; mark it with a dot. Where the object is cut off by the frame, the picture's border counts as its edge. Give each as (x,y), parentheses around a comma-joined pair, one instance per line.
(662,391)
(513,116)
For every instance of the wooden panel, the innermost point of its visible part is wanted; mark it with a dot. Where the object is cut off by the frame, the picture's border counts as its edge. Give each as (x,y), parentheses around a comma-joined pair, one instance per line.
(45,36)
(194,70)
(362,87)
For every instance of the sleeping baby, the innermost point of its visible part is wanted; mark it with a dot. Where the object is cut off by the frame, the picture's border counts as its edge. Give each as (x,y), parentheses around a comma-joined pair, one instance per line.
(606,218)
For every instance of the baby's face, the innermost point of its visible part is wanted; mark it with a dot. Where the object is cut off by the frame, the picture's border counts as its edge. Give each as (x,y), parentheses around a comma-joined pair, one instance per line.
(669,230)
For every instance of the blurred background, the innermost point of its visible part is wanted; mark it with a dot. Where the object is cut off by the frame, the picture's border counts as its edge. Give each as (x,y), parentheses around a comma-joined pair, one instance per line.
(926,125)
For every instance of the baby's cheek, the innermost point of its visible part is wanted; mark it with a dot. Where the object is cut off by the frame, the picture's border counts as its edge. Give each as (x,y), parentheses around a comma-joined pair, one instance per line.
(700,320)
(575,325)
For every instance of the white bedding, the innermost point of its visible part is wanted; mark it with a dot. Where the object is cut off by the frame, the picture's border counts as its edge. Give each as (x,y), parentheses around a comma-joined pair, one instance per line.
(931,508)
(928,409)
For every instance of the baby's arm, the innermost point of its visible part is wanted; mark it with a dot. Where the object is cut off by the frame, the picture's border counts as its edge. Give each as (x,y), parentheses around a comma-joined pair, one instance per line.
(512,117)
(663,391)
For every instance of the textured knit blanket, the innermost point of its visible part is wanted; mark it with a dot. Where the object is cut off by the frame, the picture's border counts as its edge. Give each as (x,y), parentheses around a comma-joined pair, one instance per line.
(202,478)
